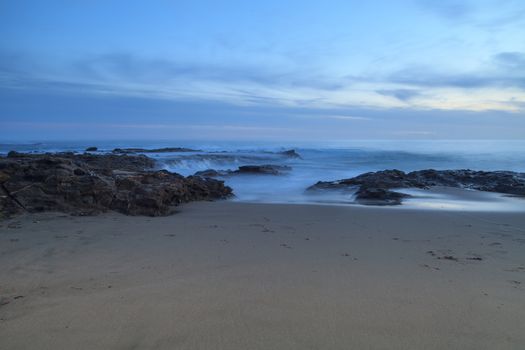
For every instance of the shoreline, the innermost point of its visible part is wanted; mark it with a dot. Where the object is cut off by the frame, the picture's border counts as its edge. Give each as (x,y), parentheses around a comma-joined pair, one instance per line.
(435,198)
(229,275)
(134,184)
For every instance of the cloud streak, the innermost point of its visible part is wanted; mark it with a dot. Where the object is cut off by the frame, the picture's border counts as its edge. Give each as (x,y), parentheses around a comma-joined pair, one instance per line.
(448,9)
(506,69)
(126,74)
(400,94)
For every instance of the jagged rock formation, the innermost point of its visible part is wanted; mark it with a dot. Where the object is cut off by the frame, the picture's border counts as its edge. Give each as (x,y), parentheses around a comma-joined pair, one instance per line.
(89,184)
(376,188)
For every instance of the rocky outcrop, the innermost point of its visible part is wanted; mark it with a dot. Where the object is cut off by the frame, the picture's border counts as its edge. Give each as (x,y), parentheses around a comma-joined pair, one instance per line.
(267,169)
(89,184)
(291,154)
(154,150)
(101,163)
(377,187)
(213,173)
(379,196)
(92,149)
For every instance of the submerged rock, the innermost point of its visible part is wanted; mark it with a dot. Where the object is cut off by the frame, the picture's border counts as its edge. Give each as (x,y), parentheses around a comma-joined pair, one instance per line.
(376,187)
(88,184)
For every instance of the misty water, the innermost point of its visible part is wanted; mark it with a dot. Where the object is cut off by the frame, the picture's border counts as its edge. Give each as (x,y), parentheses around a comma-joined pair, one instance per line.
(326,162)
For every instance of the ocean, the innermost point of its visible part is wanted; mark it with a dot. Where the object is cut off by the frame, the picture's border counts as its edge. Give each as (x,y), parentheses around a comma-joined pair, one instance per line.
(324,162)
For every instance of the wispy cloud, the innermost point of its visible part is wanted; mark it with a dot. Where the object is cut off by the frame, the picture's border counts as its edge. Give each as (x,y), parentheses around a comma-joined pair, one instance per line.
(400,94)
(413,133)
(133,68)
(448,9)
(412,87)
(345,117)
(513,61)
(506,69)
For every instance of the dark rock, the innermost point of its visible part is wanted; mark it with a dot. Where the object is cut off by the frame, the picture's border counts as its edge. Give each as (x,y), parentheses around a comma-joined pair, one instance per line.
(13,154)
(378,185)
(154,150)
(213,173)
(379,196)
(3,177)
(291,154)
(91,149)
(88,184)
(99,162)
(267,169)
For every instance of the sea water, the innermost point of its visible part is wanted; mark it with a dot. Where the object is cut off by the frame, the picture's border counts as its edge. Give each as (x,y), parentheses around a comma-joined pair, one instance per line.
(326,161)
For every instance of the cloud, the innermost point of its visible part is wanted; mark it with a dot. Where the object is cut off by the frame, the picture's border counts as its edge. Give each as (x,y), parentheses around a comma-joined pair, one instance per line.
(510,16)
(403,95)
(135,68)
(345,117)
(24,114)
(449,9)
(247,85)
(506,69)
(511,60)
(489,15)
(413,133)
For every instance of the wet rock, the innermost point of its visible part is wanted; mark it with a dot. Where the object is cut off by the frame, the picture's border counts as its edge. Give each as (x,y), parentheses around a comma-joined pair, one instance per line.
(213,173)
(291,154)
(14,154)
(379,196)
(267,169)
(98,162)
(3,177)
(378,186)
(91,149)
(87,184)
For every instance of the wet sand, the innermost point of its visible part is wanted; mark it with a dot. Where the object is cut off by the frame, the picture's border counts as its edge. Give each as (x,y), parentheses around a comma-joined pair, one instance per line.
(264,276)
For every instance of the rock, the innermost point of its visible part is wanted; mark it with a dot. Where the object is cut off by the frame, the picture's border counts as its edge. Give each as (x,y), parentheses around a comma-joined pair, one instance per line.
(89,184)
(154,150)
(13,154)
(3,177)
(379,196)
(91,149)
(377,186)
(267,169)
(100,162)
(213,173)
(291,154)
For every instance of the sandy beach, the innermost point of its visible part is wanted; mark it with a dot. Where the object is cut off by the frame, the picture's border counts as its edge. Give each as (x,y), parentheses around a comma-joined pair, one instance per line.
(226,275)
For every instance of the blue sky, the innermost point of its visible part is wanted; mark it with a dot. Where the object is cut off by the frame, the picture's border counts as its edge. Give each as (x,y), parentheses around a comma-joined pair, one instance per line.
(423,69)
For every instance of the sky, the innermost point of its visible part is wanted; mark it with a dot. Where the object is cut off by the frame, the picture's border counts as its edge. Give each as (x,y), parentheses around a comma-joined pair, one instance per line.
(258,70)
